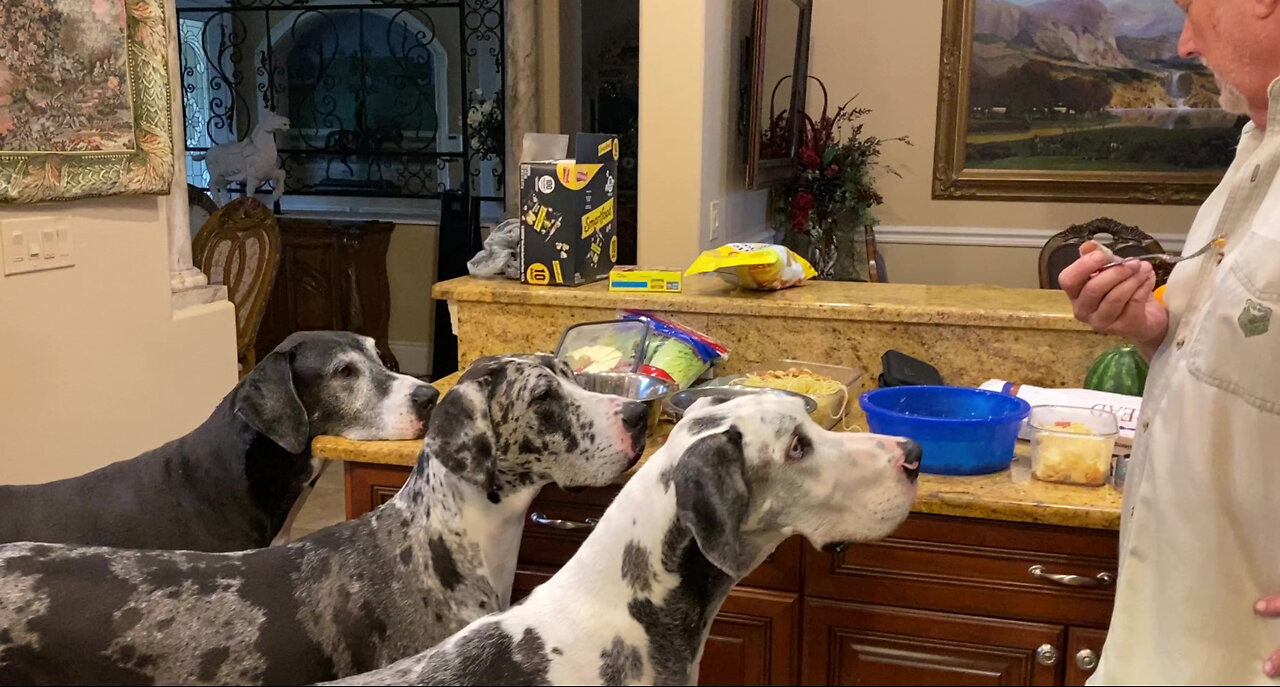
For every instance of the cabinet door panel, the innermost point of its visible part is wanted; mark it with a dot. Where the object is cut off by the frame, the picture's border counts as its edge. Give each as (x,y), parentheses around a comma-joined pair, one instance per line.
(856,644)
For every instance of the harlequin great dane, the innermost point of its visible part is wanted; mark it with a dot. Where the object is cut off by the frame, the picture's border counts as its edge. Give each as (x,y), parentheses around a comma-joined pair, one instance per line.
(230,484)
(636,602)
(347,599)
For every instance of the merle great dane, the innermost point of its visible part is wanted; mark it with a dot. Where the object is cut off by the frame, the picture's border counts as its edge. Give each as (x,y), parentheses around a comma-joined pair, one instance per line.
(635,604)
(230,484)
(347,599)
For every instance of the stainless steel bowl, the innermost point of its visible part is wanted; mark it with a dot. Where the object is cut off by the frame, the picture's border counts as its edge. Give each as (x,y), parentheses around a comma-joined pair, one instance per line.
(650,391)
(680,401)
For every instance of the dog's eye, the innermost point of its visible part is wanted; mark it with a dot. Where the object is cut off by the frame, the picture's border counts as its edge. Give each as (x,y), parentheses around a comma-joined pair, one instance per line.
(347,371)
(543,396)
(798,449)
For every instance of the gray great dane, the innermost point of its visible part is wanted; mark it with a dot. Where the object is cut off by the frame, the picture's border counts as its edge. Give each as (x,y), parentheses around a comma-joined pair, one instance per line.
(347,599)
(230,483)
(636,602)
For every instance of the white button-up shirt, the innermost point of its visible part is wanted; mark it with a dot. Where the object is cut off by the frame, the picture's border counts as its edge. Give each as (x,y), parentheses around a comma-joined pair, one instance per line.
(1200,531)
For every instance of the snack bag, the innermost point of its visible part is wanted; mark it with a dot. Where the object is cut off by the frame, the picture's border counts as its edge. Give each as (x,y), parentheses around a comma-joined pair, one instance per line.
(676,353)
(759,266)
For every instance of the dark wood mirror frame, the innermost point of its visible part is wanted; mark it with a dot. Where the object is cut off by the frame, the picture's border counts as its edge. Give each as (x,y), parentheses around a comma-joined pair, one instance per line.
(757,95)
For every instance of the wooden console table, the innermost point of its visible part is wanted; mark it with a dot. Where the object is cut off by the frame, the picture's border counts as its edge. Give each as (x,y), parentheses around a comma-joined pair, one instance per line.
(333,275)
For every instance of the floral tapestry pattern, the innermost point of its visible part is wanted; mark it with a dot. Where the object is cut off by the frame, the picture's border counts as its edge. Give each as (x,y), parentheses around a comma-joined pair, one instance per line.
(84,99)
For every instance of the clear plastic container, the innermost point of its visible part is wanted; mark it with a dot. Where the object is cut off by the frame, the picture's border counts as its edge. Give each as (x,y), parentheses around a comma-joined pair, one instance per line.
(1072,445)
(833,405)
(609,346)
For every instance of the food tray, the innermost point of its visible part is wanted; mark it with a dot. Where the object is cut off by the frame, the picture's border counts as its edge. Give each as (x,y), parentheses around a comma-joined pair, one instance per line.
(832,407)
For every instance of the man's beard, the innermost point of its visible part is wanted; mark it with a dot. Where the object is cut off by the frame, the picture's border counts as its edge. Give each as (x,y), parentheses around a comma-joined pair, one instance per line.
(1229,97)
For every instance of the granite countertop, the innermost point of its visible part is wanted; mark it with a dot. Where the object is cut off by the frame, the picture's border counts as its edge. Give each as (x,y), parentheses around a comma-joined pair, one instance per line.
(1012,495)
(986,306)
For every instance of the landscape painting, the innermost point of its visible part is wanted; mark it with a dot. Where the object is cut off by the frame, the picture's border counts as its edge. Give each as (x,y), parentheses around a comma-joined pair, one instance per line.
(84,99)
(1076,100)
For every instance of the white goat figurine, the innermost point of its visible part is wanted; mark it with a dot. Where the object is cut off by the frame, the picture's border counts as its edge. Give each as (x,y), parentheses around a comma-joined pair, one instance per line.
(252,160)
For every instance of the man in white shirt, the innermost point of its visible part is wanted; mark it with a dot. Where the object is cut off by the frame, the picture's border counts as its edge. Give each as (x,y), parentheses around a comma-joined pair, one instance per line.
(1196,597)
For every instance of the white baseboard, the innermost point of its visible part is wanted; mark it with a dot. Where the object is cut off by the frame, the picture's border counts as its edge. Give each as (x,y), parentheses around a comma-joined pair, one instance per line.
(414,357)
(986,236)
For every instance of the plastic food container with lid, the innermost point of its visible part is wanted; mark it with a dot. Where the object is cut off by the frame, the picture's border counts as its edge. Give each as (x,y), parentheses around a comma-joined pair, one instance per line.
(1072,445)
(609,346)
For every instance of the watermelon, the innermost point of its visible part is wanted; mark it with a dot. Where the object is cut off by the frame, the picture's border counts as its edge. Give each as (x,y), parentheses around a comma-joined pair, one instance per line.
(1121,370)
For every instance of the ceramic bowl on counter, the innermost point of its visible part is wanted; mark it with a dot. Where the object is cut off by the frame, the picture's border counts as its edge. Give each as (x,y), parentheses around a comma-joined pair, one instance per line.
(650,391)
(962,431)
(1072,445)
(681,400)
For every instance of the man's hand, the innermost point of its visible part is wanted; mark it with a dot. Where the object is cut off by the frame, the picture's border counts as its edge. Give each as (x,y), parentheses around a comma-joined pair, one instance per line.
(1269,606)
(1118,301)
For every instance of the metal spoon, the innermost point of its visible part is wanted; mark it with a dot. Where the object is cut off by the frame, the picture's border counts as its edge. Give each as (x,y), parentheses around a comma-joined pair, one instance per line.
(1218,241)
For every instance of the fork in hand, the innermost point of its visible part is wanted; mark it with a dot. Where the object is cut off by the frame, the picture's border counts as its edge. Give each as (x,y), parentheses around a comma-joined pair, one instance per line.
(1218,241)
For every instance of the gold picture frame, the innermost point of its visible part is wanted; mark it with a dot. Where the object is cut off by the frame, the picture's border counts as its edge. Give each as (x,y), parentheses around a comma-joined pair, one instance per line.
(87,112)
(954,178)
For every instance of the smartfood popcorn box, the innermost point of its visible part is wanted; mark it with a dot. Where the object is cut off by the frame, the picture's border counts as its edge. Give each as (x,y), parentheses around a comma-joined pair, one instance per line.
(568,232)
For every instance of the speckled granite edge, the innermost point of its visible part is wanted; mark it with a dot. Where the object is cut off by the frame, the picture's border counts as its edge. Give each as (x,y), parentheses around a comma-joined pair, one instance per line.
(1011,496)
(978,306)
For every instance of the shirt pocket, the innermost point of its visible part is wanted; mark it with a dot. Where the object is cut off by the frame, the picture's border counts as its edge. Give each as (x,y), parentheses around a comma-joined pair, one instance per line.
(1236,344)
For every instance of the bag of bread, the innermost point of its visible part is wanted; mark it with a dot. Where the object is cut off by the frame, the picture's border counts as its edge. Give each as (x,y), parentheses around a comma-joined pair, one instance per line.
(758,266)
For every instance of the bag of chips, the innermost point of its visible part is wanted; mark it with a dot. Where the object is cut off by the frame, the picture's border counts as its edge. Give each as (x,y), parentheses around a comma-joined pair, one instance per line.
(759,266)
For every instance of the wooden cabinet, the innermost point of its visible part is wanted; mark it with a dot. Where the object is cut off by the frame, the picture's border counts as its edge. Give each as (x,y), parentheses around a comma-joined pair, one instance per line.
(978,567)
(1084,648)
(753,640)
(369,485)
(858,644)
(333,275)
(944,601)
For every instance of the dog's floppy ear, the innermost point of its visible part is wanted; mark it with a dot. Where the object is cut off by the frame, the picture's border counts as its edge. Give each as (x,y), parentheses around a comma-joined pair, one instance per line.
(556,365)
(712,496)
(268,401)
(460,433)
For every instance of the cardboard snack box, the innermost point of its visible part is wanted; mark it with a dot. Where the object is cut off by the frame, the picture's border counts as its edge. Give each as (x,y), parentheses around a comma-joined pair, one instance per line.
(569,235)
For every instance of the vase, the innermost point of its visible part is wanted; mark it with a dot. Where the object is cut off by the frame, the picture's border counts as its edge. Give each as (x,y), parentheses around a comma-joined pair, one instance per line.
(839,253)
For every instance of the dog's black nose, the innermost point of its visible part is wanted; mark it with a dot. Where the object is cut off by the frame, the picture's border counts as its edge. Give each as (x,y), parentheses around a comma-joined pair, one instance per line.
(635,416)
(911,455)
(424,397)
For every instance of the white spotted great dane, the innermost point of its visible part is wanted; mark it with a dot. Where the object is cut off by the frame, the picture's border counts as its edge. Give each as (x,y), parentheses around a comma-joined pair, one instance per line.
(229,484)
(635,604)
(349,598)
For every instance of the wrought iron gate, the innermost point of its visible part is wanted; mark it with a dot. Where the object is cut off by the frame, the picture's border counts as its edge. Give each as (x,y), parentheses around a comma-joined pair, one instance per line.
(388,98)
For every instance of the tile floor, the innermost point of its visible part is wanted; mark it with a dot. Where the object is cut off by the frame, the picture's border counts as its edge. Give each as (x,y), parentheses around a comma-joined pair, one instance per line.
(326,505)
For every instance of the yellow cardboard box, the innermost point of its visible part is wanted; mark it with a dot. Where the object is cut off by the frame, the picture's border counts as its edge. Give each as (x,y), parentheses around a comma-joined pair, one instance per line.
(637,279)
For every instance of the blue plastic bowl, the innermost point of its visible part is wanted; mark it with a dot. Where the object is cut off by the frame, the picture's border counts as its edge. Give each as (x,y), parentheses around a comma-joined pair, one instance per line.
(962,431)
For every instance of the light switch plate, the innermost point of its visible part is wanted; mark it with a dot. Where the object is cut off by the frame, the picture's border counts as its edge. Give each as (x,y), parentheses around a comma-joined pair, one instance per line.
(32,244)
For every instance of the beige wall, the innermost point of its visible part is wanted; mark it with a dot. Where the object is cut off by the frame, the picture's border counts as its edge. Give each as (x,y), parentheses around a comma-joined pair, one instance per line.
(94,364)
(887,50)
(411,271)
(689,154)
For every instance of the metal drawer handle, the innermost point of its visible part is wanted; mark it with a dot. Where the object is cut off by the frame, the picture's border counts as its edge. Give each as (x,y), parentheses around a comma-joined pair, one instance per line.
(1086,660)
(1102,579)
(588,524)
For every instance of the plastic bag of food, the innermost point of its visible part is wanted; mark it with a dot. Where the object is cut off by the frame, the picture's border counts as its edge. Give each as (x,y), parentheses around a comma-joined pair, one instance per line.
(499,257)
(675,353)
(759,266)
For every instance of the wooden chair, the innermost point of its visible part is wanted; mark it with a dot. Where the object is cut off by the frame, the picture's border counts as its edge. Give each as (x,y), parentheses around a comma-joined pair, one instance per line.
(879,272)
(1063,248)
(201,207)
(239,247)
